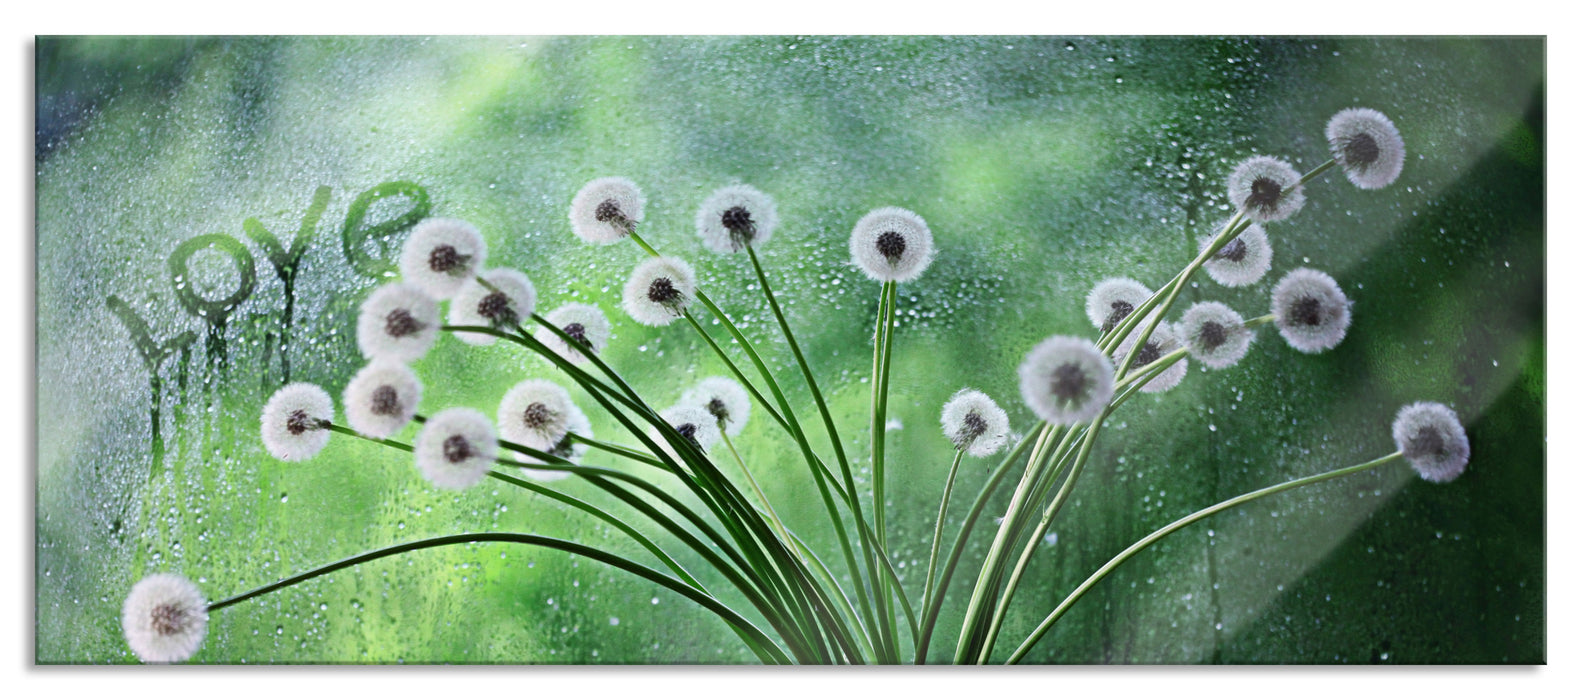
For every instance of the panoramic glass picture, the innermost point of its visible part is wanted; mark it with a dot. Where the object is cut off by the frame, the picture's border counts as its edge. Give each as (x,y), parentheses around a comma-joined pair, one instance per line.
(790,350)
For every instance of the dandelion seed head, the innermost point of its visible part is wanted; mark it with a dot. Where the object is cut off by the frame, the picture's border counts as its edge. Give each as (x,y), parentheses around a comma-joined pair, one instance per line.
(1310,310)
(568,449)
(441,255)
(659,291)
(606,210)
(724,399)
(1433,441)
(512,300)
(1242,261)
(1113,299)
(733,217)
(1215,334)
(164,618)
(1266,188)
(455,448)
(398,321)
(891,244)
(535,413)
(1066,380)
(973,422)
(1162,341)
(382,398)
(693,423)
(586,325)
(293,422)
(1367,146)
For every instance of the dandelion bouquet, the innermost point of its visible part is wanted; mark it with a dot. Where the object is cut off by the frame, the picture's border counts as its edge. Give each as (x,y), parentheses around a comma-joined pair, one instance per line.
(775,497)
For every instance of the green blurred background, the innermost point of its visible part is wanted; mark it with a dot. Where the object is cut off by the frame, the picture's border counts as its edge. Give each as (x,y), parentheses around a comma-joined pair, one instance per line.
(1042,164)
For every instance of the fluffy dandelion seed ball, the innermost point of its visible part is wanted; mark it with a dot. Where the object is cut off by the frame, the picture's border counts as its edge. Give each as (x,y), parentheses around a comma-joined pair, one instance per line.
(1112,300)
(587,326)
(441,255)
(1366,144)
(570,450)
(724,399)
(659,290)
(695,424)
(1244,260)
(1066,380)
(1163,341)
(974,423)
(511,301)
(606,210)
(294,422)
(164,619)
(1266,188)
(892,244)
(1215,334)
(736,216)
(399,321)
(455,448)
(1310,310)
(1431,438)
(535,413)
(382,398)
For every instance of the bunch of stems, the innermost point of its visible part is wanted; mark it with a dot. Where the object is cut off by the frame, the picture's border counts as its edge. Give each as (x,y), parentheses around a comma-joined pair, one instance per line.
(815,613)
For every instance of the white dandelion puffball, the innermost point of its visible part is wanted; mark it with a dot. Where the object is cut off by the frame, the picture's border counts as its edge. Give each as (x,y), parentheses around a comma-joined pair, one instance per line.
(1066,380)
(1164,340)
(399,321)
(382,398)
(1310,310)
(606,210)
(535,413)
(1366,144)
(659,290)
(293,422)
(1266,188)
(892,244)
(512,301)
(1113,299)
(1243,260)
(441,255)
(164,618)
(1431,438)
(455,448)
(570,450)
(736,216)
(586,325)
(694,424)
(724,399)
(974,423)
(1215,334)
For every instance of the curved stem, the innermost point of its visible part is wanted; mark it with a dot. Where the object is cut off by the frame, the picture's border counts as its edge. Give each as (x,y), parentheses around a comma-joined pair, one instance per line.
(939,527)
(933,606)
(775,517)
(1165,531)
(886,634)
(762,645)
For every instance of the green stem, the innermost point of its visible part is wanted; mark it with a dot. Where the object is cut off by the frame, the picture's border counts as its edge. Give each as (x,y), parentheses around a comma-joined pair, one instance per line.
(882,337)
(933,606)
(775,517)
(1165,531)
(881,380)
(939,527)
(763,403)
(760,643)
(618,450)
(1032,543)
(840,453)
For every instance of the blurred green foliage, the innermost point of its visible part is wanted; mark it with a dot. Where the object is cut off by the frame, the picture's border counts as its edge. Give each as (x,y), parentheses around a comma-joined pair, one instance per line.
(1042,165)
